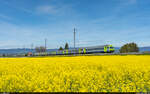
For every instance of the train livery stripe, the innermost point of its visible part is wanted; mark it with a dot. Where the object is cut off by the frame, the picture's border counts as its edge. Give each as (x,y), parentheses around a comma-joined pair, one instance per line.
(105,49)
(84,50)
(80,51)
(66,51)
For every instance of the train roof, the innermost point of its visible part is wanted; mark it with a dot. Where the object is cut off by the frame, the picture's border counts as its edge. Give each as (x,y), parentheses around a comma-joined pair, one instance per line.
(90,47)
(100,46)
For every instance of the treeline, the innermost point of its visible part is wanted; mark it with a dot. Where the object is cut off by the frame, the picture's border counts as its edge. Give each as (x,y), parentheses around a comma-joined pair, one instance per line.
(40,49)
(66,47)
(43,49)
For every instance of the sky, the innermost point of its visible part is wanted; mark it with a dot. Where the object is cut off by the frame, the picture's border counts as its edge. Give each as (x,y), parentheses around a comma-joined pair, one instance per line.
(97,22)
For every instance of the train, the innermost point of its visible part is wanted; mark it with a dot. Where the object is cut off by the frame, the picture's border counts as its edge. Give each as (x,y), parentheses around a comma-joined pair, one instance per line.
(80,50)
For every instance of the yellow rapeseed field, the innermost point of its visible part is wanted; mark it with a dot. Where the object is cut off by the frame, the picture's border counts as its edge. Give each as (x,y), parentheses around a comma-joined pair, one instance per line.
(74,74)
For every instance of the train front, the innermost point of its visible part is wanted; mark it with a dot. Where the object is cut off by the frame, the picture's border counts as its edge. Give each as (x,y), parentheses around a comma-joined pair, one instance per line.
(110,49)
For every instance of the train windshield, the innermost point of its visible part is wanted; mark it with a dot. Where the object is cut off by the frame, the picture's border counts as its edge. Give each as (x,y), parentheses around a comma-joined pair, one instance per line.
(111,47)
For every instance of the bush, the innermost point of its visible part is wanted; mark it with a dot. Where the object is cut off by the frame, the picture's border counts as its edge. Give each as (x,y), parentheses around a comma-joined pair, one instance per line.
(129,47)
(40,49)
(60,48)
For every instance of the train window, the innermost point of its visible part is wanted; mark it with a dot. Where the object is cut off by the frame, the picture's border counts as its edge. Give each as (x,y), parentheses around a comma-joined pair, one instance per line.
(97,49)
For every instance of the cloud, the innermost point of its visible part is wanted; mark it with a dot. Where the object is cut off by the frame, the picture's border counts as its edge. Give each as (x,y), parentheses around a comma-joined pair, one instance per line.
(5,17)
(17,36)
(17,7)
(47,9)
(58,10)
(14,35)
(132,1)
(128,2)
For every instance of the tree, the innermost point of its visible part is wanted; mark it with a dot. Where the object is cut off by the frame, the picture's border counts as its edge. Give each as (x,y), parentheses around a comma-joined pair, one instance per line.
(40,49)
(60,48)
(129,47)
(66,46)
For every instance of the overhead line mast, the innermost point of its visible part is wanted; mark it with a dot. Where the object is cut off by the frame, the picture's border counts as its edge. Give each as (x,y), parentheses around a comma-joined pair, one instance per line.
(74,38)
(45,44)
(32,47)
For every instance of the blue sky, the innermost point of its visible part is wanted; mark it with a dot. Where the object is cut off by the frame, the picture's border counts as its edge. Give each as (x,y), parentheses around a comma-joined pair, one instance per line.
(98,22)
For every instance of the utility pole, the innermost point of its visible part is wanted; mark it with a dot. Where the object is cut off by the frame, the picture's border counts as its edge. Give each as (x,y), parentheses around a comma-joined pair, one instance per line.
(45,43)
(32,47)
(24,48)
(74,38)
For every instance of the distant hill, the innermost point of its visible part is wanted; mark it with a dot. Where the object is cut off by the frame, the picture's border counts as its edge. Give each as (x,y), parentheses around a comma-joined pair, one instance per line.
(117,49)
(18,51)
(142,49)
